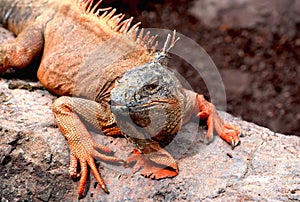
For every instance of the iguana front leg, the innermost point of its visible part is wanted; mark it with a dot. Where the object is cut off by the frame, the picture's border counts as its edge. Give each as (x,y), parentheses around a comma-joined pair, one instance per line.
(83,148)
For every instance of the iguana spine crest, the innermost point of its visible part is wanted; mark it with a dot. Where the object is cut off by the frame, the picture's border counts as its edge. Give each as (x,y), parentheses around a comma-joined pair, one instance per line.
(118,25)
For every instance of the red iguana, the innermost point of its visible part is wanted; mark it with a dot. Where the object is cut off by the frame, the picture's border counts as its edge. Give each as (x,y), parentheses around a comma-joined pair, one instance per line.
(126,86)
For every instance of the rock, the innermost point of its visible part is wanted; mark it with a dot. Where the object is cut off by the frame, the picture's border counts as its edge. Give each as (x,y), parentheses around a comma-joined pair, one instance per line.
(34,159)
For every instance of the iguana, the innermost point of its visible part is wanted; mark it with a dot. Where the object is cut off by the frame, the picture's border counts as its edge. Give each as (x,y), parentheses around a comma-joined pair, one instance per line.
(109,74)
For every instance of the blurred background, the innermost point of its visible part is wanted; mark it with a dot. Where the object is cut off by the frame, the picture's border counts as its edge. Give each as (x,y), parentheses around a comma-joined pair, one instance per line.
(255,45)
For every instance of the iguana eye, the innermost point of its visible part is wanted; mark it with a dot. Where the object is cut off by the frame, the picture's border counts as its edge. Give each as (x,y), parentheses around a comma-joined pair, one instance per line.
(150,87)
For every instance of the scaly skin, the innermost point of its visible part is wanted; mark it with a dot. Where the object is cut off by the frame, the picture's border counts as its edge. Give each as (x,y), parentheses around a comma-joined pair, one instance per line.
(97,58)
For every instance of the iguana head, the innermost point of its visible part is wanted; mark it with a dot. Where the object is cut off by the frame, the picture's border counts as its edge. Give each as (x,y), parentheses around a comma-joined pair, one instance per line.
(151,98)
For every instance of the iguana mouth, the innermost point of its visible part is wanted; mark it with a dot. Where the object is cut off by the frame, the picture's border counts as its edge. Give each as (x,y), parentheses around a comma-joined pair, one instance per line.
(143,104)
(143,115)
(150,103)
(121,109)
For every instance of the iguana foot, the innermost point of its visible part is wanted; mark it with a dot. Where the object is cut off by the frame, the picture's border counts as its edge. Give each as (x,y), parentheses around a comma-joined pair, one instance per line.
(85,157)
(150,169)
(83,148)
(227,132)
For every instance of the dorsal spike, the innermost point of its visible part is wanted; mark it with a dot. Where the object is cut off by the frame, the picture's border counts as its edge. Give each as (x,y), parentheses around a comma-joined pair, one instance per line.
(96,6)
(173,41)
(133,31)
(161,57)
(102,16)
(115,20)
(110,14)
(141,34)
(89,6)
(120,27)
(117,24)
(105,9)
(155,45)
(125,27)
(166,43)
(84,4)
(135,27)
(146,36)
(151,41)
(97,13)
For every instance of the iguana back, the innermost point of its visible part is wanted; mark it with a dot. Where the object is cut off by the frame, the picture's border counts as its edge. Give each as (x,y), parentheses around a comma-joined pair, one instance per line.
(79,47)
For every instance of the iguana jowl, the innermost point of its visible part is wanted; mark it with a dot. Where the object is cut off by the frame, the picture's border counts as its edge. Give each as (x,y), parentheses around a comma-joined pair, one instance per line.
(127,79)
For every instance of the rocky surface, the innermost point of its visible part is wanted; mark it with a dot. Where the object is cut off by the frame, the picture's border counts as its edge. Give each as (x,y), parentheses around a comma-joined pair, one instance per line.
(34,160)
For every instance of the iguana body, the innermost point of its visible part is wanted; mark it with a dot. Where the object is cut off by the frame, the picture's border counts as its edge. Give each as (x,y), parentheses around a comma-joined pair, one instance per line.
(99,58)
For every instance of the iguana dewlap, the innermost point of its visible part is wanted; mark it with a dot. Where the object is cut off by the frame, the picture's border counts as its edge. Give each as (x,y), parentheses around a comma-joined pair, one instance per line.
(118,81)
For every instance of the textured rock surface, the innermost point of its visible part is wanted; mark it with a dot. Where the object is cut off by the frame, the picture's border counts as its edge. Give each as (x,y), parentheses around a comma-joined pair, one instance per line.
(34,161)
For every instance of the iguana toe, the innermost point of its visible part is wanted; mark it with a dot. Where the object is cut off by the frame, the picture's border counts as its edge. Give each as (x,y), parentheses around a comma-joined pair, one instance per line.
(231,135)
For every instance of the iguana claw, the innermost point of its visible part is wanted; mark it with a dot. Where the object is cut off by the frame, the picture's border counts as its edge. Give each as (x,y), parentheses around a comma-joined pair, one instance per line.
(231,135)
(234,144)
